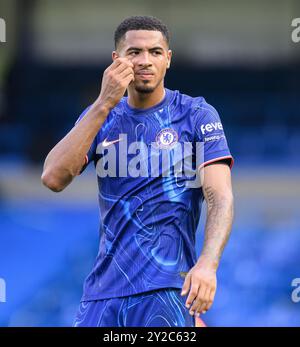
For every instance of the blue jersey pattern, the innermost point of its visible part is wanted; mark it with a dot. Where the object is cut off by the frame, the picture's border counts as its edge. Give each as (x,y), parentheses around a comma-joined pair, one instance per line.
(148,224)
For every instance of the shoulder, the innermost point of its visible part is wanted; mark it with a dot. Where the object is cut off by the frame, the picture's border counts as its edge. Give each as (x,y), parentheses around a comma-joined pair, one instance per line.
(196,106)
(184,100)
(204,111)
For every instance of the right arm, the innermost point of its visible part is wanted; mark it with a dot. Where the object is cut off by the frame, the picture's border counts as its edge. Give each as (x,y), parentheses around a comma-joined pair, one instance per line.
(67,158)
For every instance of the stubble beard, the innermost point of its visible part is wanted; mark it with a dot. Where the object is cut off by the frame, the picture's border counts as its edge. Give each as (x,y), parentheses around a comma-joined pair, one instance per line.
(144,88)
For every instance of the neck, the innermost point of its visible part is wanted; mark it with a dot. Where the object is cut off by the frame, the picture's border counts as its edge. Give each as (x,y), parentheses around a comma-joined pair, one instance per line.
(145,100)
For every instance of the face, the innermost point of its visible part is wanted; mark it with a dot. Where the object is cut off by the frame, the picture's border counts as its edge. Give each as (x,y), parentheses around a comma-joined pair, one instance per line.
(149,53)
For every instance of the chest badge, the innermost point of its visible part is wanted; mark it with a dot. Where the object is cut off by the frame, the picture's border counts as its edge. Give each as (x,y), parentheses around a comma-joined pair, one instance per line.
(167,138)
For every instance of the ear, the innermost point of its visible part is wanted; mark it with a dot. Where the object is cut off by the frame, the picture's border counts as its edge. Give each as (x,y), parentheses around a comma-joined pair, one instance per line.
(169,58)
(114,55)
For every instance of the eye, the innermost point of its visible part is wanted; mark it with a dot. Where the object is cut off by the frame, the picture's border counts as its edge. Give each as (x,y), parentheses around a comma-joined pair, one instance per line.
(156,52)
(133,53)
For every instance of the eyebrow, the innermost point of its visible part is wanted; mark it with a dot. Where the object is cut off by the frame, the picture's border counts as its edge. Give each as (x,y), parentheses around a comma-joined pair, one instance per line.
(140,49)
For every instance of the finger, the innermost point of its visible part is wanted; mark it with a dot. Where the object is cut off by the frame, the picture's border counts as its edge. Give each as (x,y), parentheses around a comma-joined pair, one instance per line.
(199,299)
(120,63)
(124,60)
(197,303)
(124,80)
(114,64)
(203,306)
(211,299)
(186,285)
(122,67)
(128,79)
(192,295)
(126,72)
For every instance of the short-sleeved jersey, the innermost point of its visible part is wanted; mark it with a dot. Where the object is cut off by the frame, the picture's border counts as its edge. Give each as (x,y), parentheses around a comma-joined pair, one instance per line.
(148,211)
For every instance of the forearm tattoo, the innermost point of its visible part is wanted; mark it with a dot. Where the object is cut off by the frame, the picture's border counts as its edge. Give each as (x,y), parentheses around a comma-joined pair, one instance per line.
(218,223)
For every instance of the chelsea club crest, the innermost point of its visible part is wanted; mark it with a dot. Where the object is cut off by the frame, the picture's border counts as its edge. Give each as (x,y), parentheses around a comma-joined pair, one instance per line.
(167,138)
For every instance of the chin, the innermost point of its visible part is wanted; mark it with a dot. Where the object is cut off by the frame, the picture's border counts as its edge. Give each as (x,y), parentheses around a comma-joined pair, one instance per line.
(144,89)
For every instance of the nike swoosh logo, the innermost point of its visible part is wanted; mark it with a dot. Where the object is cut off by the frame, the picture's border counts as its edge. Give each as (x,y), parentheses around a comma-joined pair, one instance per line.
(106,143)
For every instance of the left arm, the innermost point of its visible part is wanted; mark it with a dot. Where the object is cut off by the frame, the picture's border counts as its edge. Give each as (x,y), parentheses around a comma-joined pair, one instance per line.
(201,280)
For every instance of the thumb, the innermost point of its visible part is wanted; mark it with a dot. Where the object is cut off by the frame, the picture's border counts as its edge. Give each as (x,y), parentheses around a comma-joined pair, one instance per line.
(186,285)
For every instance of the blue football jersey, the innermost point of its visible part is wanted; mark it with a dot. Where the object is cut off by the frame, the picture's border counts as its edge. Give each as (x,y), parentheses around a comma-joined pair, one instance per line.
(148,211)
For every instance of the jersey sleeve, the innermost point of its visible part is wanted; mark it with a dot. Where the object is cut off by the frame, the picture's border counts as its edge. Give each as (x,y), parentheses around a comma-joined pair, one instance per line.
(209,131)
(90,155)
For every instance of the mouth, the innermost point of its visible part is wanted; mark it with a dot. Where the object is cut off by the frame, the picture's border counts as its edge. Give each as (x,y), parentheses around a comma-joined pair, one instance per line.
(145,74)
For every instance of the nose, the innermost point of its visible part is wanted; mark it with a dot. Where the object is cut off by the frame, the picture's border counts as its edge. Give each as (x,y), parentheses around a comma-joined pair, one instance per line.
(144,59)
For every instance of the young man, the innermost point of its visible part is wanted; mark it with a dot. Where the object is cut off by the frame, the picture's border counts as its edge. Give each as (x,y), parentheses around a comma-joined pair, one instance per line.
(146,272)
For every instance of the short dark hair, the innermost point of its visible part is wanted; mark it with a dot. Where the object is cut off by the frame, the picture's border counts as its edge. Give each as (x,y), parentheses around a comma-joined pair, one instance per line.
(141,23)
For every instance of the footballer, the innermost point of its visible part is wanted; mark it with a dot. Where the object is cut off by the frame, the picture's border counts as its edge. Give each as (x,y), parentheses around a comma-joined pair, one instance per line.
(146,272)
